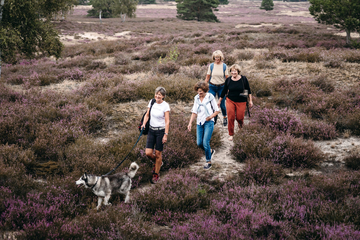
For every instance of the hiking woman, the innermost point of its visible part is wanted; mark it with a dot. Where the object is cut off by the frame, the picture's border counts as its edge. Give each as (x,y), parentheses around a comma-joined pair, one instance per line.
(216,75)
(204,109)
(158,131)
(238,93)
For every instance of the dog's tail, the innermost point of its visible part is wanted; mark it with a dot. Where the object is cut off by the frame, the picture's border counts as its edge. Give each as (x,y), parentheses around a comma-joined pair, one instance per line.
(133,169)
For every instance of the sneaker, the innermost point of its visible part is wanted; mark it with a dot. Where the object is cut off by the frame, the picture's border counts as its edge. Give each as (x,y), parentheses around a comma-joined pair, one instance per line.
(207,166)
(212,153)
(155,178)
(225,122)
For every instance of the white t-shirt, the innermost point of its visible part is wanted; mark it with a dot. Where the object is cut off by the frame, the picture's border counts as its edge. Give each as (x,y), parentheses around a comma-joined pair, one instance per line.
(157,118)
(201,112)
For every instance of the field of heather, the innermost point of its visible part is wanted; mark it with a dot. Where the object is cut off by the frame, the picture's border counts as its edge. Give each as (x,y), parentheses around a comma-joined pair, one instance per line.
(292,172)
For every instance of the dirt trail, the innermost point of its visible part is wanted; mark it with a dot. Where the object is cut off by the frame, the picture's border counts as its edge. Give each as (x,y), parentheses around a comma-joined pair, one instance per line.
(224,166)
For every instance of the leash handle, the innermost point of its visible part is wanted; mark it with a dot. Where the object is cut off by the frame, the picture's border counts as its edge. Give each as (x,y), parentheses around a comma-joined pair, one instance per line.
(126,155)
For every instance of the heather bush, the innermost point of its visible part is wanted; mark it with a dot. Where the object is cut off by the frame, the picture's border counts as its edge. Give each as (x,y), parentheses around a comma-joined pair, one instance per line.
(168,67)
(260,172)
(46,123)
(102,88)
(323,83)
(296,55)
(194,71)
(96,64)
(178,191)
(245,55)
(295,93)
(353,161)
(283,120)
(252,142)
(178,87)
(294,152)
(259,87)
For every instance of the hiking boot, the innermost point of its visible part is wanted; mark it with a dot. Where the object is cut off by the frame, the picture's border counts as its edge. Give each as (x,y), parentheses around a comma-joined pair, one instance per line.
(225,122)
(207,166)
(155,178)
(212,153)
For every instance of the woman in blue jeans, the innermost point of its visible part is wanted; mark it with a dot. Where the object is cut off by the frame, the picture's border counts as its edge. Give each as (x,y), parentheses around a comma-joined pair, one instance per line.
(205,109)
(216,76)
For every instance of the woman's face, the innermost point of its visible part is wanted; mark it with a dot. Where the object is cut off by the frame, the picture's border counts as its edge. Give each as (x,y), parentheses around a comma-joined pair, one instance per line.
(159,96)
(201,92)
(217,59)
(234,72)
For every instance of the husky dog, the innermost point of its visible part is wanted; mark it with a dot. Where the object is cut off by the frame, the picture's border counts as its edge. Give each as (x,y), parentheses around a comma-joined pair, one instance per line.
(104,186)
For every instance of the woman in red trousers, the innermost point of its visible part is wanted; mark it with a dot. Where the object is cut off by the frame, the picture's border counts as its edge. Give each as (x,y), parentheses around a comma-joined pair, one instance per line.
(238,92)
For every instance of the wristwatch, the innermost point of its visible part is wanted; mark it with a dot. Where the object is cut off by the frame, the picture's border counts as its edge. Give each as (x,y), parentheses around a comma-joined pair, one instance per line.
(166,134)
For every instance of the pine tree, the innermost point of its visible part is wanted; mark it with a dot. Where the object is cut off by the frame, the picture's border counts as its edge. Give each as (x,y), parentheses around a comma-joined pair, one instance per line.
(24,31)
(267,5)
(343,14)
(200,10)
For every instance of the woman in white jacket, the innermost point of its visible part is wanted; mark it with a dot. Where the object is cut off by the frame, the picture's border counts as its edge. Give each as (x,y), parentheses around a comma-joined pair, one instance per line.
(205,109)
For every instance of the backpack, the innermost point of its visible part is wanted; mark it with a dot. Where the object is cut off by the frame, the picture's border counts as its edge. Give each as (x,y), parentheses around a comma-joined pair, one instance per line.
(212,67)
(216,117)
(147,125)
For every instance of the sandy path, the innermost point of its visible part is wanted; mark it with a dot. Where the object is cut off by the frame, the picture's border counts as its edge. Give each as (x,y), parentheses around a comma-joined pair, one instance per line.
(224,166)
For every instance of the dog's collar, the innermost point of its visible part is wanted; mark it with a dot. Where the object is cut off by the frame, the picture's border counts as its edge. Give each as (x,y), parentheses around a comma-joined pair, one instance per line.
(97,179)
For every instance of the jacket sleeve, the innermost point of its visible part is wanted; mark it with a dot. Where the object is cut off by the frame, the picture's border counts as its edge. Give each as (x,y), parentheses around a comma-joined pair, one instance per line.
(225,90)
(247,85)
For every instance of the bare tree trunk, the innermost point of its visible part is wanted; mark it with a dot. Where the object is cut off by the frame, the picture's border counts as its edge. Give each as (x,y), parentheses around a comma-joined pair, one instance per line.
(123,16)
(348,37)
(100,15)
(1,11)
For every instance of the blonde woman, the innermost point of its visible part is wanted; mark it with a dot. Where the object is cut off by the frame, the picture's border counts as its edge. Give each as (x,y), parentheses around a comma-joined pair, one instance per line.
(216,75)
(238,92)
(158,131)
(204,110)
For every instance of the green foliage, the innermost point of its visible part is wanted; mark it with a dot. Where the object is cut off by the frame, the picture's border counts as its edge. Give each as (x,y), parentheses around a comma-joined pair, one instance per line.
(200,10)
(267,5)
(49,8)
(112,8)
(342,14)
(224,2)
(23,32)
(147,2)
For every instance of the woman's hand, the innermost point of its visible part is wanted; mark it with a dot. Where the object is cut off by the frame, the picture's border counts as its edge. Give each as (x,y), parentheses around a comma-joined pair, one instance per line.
(164,140)
(189,127)
(208,118)
(251,104)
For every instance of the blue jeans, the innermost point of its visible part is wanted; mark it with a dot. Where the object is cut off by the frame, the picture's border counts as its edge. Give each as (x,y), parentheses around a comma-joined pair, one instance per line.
(203,136)
(218,90)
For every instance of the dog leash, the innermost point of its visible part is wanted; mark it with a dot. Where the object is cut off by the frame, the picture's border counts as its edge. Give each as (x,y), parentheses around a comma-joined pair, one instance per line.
(126,155)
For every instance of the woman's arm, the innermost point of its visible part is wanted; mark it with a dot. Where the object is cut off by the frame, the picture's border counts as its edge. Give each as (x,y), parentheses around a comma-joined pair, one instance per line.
(193,116)
(167,126)
(207,78)
(146,118)
(250,101)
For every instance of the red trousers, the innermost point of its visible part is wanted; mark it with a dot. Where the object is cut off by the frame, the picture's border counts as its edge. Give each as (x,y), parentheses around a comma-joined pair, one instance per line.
(235,110)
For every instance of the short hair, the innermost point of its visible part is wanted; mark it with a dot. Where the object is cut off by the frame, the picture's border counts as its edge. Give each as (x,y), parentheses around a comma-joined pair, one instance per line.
(218,53)
(236,67)
(203,85)
(161,90)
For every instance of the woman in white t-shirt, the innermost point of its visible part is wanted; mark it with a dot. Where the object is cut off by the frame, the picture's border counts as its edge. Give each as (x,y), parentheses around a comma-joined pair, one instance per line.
(205,109)
(216,75)
(159,130)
